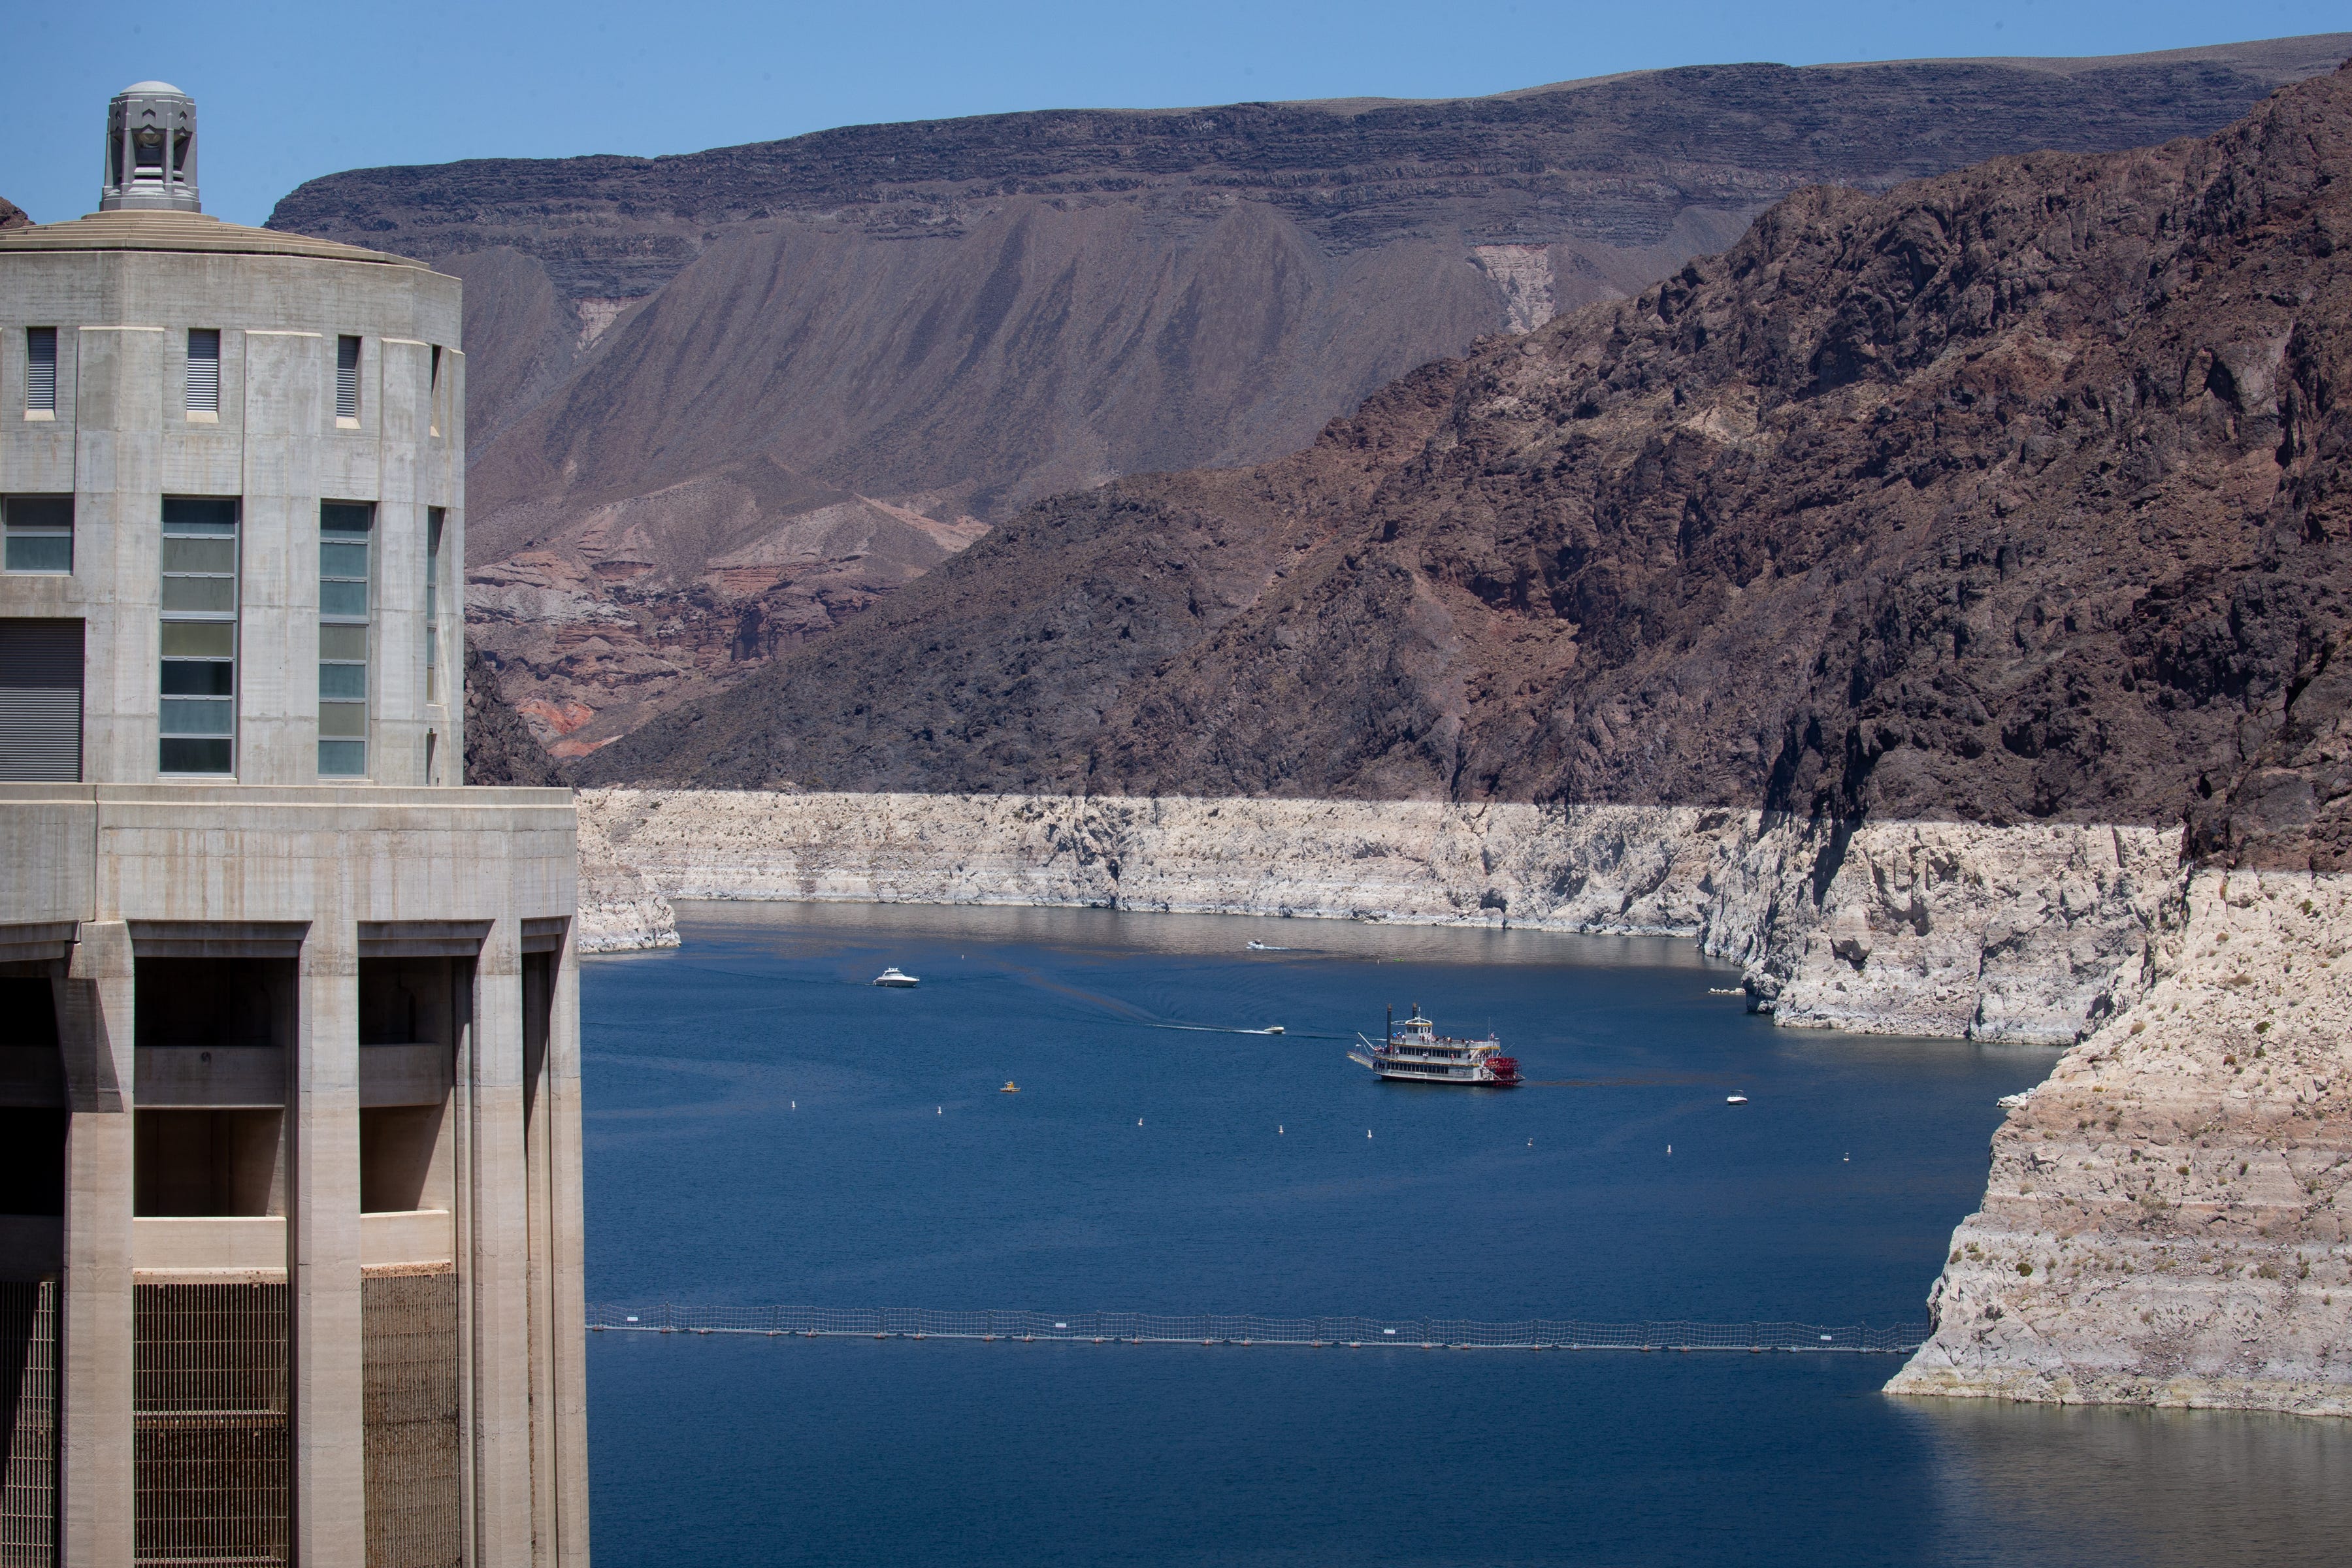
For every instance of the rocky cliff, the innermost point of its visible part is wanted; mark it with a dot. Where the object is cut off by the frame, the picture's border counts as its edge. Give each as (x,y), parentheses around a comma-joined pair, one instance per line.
(500,749)
(2013,496)
(724,402)
(2169,1219)
(2025,934)
(12,215)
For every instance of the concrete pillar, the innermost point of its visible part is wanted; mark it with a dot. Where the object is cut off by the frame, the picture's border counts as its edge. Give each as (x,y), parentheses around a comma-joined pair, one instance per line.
(94,1037)
(537,1009)
(322,1244)
(497,1259)
(570,1263)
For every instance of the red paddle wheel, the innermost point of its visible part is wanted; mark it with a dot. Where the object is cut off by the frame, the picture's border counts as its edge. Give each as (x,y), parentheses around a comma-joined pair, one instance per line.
(1505,1069)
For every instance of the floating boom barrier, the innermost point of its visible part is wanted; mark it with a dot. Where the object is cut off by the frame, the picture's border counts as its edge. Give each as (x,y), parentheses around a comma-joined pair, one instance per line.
(1248,1329)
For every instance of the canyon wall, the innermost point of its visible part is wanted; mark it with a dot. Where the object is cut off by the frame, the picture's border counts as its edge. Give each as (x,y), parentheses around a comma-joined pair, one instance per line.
(2166,1218)
(2025,933)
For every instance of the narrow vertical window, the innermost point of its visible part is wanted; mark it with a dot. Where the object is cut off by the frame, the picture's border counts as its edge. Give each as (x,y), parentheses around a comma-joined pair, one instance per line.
(346,530)
(433,516)
(40,532)
(198,717)
(347,380)
(41,371)
(204,371)
(433,396)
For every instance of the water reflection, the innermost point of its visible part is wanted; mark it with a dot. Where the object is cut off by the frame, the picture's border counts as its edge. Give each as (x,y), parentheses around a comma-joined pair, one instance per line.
(2052,1483)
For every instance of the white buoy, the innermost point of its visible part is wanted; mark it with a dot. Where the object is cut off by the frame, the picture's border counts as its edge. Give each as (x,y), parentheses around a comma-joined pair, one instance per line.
(1277,1131)
(1368,1132)
(1138,1121)
(1669,1148)
(796,1105)
(940,1110)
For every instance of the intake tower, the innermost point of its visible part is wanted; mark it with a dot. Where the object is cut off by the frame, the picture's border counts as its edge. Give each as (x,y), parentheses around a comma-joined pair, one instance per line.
(290,1265)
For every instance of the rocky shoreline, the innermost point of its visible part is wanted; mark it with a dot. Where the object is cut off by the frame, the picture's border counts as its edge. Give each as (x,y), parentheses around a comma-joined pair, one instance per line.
(2168,1216)
(2025,934)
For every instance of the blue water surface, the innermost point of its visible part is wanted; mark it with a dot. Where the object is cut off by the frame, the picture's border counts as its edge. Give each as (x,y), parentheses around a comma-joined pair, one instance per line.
(766,1126)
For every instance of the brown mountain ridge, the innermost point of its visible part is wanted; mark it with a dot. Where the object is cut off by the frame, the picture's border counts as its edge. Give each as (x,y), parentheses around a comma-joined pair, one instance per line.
(2013,494)
(720,404)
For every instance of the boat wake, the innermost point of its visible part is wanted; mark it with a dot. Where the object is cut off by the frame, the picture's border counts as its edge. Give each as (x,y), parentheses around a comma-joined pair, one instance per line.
(1224,1029)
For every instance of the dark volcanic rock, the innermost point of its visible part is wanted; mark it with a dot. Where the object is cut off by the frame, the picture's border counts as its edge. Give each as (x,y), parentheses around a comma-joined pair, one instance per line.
(12,215)
(499,745)
(2015,494)
(945,321)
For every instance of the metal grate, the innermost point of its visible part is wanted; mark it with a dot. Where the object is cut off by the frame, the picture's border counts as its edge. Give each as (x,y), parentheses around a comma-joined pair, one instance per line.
(29,1380)
(347,378)
(40,701)
(41,370)
(211,1453)
(409,1406)
(204,370)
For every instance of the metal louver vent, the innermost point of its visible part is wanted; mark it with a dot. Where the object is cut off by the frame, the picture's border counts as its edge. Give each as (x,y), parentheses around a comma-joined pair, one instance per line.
(204,370)
(40,701)
(41,368)
(347,378)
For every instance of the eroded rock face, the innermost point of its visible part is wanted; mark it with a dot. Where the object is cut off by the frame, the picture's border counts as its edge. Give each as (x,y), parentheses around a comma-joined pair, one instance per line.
(618,914)
(955,319)
(2169,1219)
(500,749)
(2014,495)
(612,609)
(2030,934)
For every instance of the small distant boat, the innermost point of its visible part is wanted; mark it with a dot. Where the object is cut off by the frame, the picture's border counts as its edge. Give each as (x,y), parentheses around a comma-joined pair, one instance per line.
(891,977)
(1010,1087)
(1727,991)
(1416,1052)
(1734,1099)
(1266,947)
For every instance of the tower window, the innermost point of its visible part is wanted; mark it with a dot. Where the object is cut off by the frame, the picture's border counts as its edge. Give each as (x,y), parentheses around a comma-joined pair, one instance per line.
(40,532)
(346,530)
(204,370)
(347,382)
(198,714)
(434,518)
(41,370)
(433,394)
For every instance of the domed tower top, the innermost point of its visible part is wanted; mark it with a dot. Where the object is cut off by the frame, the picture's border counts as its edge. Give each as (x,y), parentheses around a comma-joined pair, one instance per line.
(151,150)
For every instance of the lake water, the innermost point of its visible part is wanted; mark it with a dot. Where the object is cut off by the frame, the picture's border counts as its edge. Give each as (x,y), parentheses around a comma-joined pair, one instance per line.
(764,1126)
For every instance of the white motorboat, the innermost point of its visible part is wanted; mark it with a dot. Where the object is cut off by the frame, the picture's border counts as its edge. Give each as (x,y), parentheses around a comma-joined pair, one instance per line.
(1734,1099)
(891,977)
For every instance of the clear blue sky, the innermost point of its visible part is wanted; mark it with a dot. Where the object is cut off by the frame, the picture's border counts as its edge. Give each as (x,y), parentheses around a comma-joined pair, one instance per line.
(290,91)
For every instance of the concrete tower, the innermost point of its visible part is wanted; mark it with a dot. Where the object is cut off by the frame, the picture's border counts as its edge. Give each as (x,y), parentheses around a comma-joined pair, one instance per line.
(290,1117)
